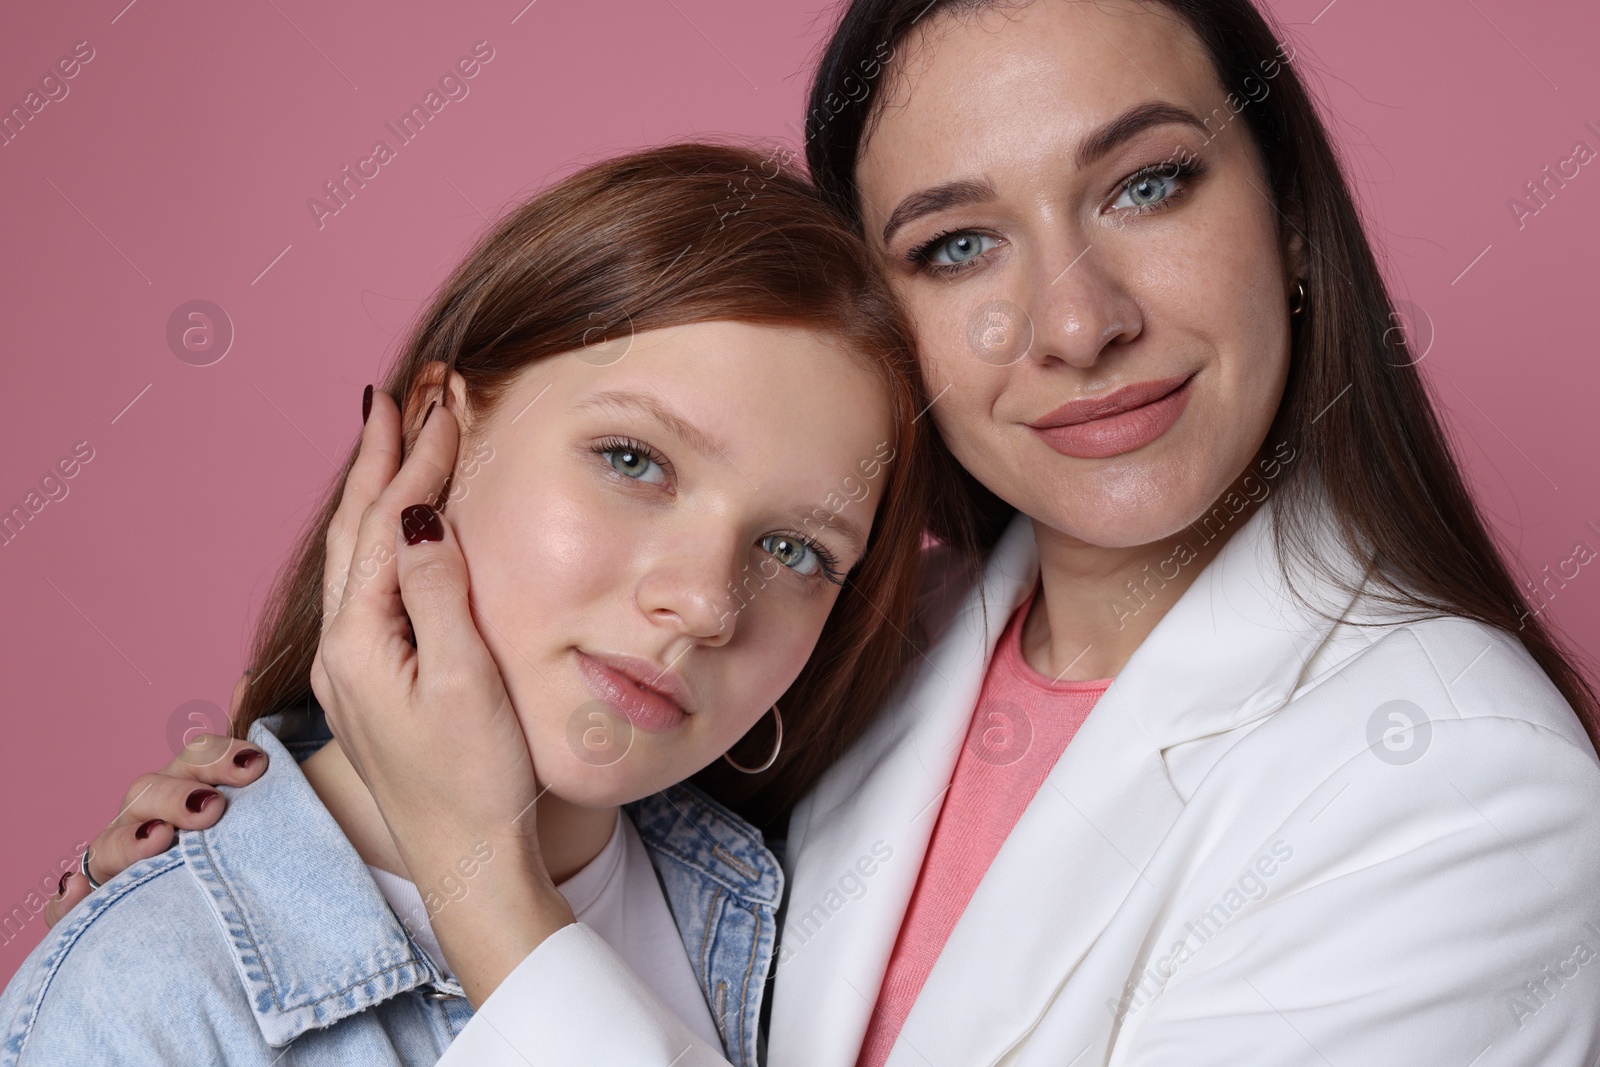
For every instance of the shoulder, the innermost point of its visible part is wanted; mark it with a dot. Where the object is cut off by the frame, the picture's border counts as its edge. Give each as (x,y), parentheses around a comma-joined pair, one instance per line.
(1453,670)
(146,942)
(1437,766)
(1489,674)
(1410,844)
(1484,672)
(1447,696)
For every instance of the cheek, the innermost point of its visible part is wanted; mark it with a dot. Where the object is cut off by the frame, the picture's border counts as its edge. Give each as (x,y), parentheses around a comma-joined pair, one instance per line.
(537,557)
(966,385)
(774,641)
(1244,285)
(1223,284)
(966,333)
(1252,368)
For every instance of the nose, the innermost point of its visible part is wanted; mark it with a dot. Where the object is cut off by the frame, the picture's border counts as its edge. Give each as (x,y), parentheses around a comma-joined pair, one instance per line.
(689,592)
(1079,305)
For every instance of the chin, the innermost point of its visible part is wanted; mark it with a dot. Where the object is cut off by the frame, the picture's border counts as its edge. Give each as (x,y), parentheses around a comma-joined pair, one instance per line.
(1128,504)
(602,785)
(1131,530)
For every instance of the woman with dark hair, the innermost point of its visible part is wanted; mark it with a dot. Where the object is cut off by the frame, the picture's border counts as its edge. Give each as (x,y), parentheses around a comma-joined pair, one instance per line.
(1231,739)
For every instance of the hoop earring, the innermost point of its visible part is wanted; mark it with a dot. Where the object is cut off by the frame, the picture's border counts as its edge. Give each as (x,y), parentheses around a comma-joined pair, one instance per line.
(776,748)
(1298,304)
(83,867)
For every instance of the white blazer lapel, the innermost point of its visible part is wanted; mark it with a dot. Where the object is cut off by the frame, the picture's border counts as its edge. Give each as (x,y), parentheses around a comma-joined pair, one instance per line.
(1055,884)
(857,842)
(1229,652)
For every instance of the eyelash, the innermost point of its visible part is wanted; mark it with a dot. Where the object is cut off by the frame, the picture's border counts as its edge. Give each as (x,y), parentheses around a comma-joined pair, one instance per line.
(830,563)
(921,257)
(1182,172)
(829,571)
(629,444)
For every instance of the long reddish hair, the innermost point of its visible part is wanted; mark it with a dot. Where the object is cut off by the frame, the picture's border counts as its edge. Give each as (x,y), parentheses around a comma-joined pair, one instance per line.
(666,237)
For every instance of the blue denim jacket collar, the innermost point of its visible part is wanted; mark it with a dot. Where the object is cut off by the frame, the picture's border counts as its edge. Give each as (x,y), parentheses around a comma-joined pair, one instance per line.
(310,956)
(684,824)
(723,886)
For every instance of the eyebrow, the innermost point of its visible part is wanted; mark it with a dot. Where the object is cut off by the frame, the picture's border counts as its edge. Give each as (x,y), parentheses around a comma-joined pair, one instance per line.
(935,199)
(682,428)
(698,440)
(1129,124)
(1100,142)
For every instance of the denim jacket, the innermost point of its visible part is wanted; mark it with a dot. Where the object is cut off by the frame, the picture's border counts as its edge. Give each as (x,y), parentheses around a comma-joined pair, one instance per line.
(263,940)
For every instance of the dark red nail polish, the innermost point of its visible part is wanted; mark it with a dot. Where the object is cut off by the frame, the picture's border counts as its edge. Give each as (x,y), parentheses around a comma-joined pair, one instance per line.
(61,886)
(144,828)
(425,414)
(421,523)
(245,757)
(366,405)
(197,801)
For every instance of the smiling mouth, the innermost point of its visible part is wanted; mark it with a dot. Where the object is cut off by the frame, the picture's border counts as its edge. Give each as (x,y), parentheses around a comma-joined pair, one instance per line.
(1119,422)
(648,697)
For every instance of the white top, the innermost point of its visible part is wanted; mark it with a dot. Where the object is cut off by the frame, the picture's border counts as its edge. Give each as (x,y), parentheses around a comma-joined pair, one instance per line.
(616,895)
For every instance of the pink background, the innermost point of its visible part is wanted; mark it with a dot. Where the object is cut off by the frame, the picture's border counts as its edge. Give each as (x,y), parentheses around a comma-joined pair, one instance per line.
(179,165)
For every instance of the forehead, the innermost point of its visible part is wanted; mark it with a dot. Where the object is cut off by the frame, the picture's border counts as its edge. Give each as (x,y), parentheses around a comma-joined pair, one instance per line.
(970,87)
(789,404)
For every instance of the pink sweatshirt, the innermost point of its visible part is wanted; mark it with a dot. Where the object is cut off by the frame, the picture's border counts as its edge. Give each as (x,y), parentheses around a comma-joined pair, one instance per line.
(1021,726)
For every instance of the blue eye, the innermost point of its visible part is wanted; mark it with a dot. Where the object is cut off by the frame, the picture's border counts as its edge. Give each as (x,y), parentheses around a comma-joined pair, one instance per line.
(1156,187)
(633,461)
(1143,192)
(954,249)
(792,553)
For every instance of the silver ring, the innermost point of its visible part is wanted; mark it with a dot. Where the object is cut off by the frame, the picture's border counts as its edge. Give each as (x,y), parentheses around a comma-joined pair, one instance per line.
(83,867)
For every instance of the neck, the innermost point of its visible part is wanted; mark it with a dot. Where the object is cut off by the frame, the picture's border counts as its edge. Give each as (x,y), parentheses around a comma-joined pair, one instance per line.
(1096,605)
(570,837)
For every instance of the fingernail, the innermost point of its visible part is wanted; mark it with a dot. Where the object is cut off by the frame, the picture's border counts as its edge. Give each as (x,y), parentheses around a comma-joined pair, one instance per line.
(431,405)
(197,801)
(144,828)
(366,405)
(245,757)
(61,886)
(421,523)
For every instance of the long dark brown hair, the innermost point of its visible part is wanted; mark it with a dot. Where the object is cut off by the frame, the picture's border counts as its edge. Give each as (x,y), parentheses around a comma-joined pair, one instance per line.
(1355,408)
(675,235)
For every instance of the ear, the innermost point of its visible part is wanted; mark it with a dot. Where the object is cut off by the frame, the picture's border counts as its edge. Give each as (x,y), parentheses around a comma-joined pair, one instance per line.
(1294,254)
(1291,227)
(426,389)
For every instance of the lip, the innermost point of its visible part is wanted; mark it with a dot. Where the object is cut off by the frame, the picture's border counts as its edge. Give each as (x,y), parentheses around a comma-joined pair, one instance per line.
(653,699)
(1118,422)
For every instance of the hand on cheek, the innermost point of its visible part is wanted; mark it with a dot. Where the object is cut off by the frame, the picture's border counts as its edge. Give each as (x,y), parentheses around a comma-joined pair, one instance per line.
(418,704)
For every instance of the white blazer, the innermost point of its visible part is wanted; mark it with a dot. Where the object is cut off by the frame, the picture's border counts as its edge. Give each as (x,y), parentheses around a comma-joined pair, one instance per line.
(1279,838)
